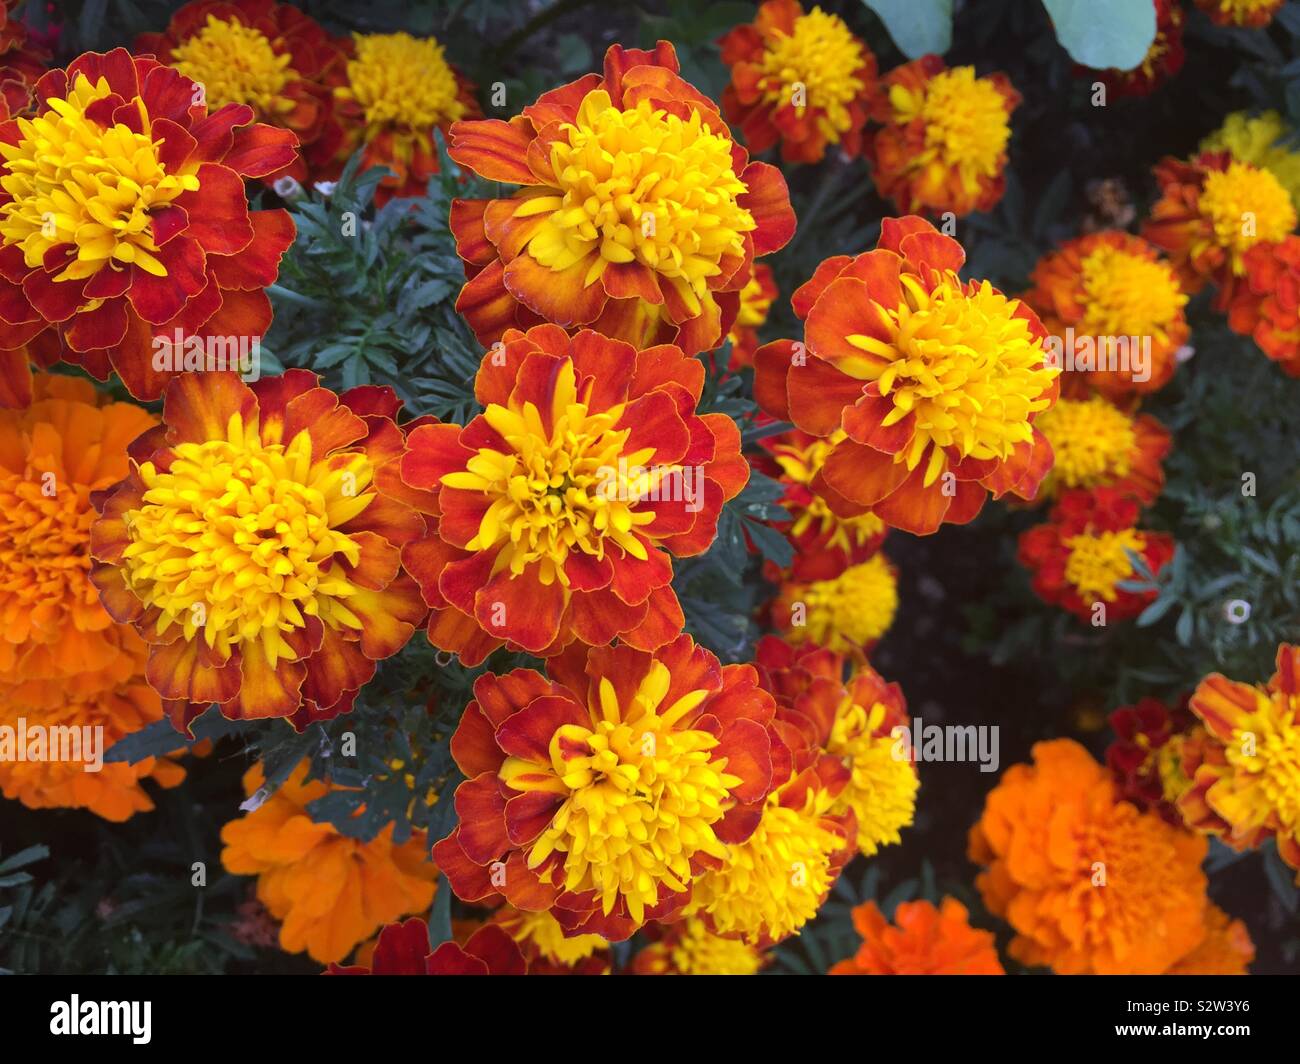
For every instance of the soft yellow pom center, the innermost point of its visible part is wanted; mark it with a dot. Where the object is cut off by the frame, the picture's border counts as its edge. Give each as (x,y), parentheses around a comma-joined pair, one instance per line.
(966,122)
(815,67)
(235,64)
(1093,442)
(402,81)
(850,611)
(1097,562)
(882,791)
(1246,205)
(1128,295)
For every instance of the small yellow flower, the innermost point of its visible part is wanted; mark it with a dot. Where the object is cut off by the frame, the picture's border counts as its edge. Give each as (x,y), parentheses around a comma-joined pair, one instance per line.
(234,63)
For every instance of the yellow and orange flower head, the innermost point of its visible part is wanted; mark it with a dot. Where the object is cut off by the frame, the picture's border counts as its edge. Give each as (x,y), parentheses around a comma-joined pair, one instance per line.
(934,382)
(1103,287)
(330,891)
(1251,13)
(756,299)
(688,947)
(160,240)
(1266,305)
(800,78)
(255,544)
(847,613)
(1080,556)
(1090,884)
(1246,772)
(923,940)
(564,502)
(636,213)
(395,91)
(1225,950)
(942,145)
(1099,445)
(1264,140)
(546,948)
(599,794)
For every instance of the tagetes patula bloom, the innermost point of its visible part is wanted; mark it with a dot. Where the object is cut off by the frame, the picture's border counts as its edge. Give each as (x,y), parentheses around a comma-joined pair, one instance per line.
(1080,557)
(1162,61)
(1051,834)
(847,613)
(798,78)
(853,720)
(159,238)
(756,300)
(1225,950)
(1251,13)
(1266,305)
(923,940)
(330,891)
(636,213)
(255,544)
(403,949)
(1146,756)
(546,947)
(688,947)
(1099,445)
(1246,772)
(1261,140)
(942,145)
(1110,286)
(600,793)
(935,382)
(564,502)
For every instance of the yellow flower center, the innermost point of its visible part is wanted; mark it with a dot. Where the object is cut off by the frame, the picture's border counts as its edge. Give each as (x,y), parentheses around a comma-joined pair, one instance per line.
(882,792)
(1128,295)
(1260,140)
(543,932)
(75,182)
(1092,439)
(235,64)
(698,951)
(1246,206)
(1097,562)
(850,611)
(966,122)
(815,67)
(400,80)
(239,540)
(801,466)
(1265,758)
(640,796)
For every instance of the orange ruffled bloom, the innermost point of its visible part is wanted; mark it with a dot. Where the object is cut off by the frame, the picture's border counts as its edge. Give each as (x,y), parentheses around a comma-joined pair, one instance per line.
(513,558)
(756,300)
(1266,306)
(801,79)
(1225,950)
(636,215)
(1251,13)
(599,794)
(926,941)
(1098,445)
(255,544)
(1048,834)
(184,255)
(928,434)
(331,891)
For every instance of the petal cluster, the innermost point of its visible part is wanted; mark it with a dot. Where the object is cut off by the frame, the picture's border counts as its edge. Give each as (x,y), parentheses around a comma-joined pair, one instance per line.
(1099,445)
(923,940)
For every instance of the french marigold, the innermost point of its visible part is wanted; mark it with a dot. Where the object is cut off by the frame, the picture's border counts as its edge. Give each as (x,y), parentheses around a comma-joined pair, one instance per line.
(546,948)
(802,79)
(1260,140)
(1106,287)
(688,947)
(1146,756)
(756,299)
(935,382)
(255,543)
(562,504)
(636,213)
(847,613)
(1162,61)
(598,794)
(331,891)
(1251,13)
(403,949)
(924,940)
(1080,556)
(1099,445)
(1051,834)
(942,145)
(1266,305)
(160,243)
(1225,950)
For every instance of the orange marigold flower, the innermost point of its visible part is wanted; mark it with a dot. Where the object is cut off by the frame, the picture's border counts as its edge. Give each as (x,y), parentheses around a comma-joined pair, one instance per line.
(160,244)
(1225,950)
(1051,834)
(255,543)
(1115,312)
(1252,13)
(1098,445)
(847,613)
(1080,556)
(563,503)
(800,78)
(688,947)
(637,214)
(331,891)
(1163,60)
(600,793)
(1266,305)
(926,941)
(756,300)
(1146,756)
(943,142)
(934,382)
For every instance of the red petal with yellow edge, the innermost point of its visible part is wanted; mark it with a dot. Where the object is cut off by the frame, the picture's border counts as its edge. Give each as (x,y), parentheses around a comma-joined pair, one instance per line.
(912,506)
(481,807)
(240,314)
(703,332)
(596,617)
(265,690)
(259,150)
(460,634)
(529,814)
(653,422)
(560,296)
(373,400)
(337,667)
(819,395)
(662,87)
(523,889)
(729,469)
(521,609)
(116,598)
(846,309)
(388,617)
(433,451)
(933,249)
(773,364)
(159,299)
(493,149)
(634,578)
(258,265)
(486,305)
(632,280)
(462,512)
(527,734)
(215,134)
(474,745)
(619,60)
(667,364)
(469,881)
(460,581)
(502,696)
(450,959)
(893,230)
(810,291)
(586,572)
(967,501)
(861,474)
(605,368)
(768,200)
(466,222)
(318,412)
(864,422)
(92,330)
(198,406)
(1023,470)
(186,669)
(705,530)
(880,271)
(425,560)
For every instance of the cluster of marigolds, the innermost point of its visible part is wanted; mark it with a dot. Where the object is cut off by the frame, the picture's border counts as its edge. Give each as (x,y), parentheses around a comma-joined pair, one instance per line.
(260,547)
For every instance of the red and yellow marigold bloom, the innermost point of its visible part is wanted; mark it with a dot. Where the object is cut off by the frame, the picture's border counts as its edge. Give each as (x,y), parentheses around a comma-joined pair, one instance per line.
(547,949)
(1104,287)
(1146,757)
(1266,305)
(255,544)
(1099,445)
(942,145)
(636,213)
(1225,950)
(1090,884)
(934,382)
(688,947)
(1162,61)
(756,299)
(847,613)
(923,940)
(1251,13)
(330,891)
(161,239)
(798,78)
(564,502)
(1080,556)
(599,794)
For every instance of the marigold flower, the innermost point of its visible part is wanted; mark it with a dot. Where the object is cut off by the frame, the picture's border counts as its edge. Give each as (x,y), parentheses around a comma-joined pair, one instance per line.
(1252,13)
(943,142)
(183,254)
(756,300)
(598,794)
(848,613)
(1260,140)
(636,213)
(1102,290)
(563,503)
(1225,950)
(935,382)
(1146,756)
(1162,61)
(1266,306)
(1098,445)
(800,78)
(546,948)
(255,543)
(688,947)
(1080,556)
(331,891)
(926,941)
(1051,834)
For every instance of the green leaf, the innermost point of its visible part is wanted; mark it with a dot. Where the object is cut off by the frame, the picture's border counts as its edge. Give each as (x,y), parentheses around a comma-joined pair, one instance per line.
(1104,33)
(918,27)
